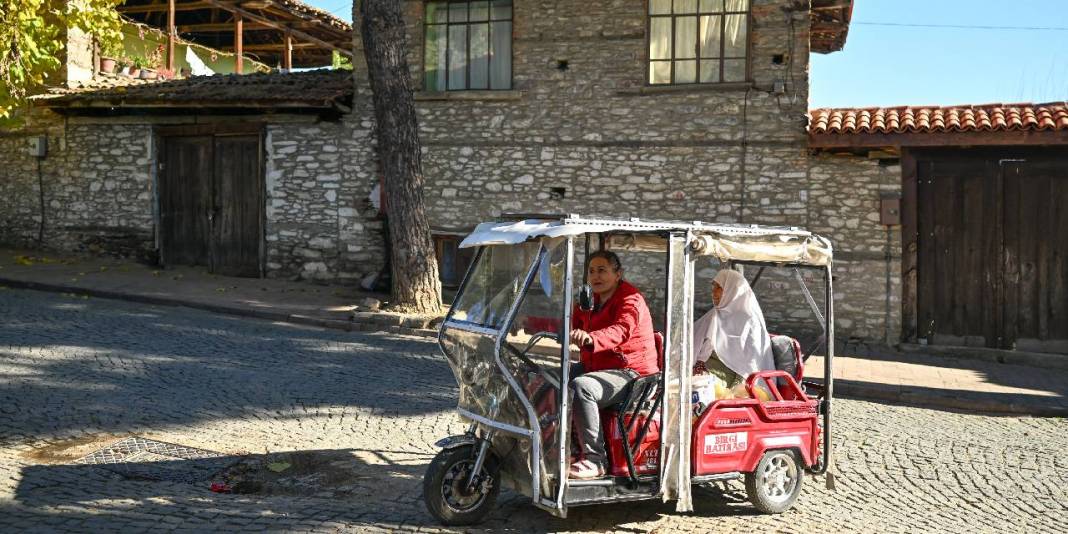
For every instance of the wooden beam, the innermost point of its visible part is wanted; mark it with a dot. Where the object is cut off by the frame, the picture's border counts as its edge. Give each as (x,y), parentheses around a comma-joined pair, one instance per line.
(221,27)
(239,42)
(268,22)
(272,47)
(282,11)
(170,35)
(153,8)
(287,56)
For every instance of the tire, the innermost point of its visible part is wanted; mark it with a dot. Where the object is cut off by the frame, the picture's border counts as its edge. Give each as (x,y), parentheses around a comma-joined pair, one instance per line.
(445,481)
(775,484)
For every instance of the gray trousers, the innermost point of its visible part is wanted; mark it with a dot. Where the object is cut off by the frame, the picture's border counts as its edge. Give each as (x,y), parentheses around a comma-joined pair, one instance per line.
(591,392)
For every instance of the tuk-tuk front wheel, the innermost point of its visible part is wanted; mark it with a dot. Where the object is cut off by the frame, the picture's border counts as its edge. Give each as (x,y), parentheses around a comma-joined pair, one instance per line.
(446,491)
(775,484)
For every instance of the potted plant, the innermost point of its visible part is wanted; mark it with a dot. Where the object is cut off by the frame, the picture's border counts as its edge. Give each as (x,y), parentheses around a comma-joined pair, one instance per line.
(154,61)
(136,64)
(109,57)
(166,74)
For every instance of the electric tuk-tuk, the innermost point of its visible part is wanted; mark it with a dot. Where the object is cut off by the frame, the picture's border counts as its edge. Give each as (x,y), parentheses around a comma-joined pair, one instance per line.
(502,339)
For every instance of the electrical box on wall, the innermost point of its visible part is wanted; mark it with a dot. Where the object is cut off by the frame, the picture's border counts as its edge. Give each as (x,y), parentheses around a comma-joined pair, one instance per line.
(890,209)
(38,146)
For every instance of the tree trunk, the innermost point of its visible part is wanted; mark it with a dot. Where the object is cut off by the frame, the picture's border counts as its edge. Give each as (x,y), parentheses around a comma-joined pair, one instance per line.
(416,287)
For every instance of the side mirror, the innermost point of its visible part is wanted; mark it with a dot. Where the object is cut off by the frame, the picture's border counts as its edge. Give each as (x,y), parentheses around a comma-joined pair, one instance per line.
(585,297)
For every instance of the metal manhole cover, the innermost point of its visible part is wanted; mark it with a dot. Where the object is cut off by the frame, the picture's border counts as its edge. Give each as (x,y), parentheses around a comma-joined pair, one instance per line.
(138,457)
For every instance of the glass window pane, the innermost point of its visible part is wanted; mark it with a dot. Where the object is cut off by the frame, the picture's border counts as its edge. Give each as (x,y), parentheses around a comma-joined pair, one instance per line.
(660,72)
(709,71)
(659,7)
(501,55)
(737,5)
(685,6)
(458,12)
(479,56)
(734,36)
(660,38)
(685,37)
(734,70)
(501,10)
(711,6)
(434,59)
(479,11)
(458,57)
(710,35)
(436,12)
(685,71)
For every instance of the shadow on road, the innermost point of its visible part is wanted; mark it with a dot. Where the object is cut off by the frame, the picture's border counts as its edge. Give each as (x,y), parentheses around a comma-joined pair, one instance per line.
(353,488)
(101,366)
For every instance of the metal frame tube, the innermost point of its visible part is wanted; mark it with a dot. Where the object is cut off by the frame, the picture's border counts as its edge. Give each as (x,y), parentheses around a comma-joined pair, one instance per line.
(564,426)
(532,417)
(828,375)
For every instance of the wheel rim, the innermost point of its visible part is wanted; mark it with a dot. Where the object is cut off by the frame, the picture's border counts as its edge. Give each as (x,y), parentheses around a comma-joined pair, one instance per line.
(454,492)
(779,478)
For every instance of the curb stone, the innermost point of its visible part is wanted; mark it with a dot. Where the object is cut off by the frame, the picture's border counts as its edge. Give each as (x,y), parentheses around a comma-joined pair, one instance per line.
(902,395)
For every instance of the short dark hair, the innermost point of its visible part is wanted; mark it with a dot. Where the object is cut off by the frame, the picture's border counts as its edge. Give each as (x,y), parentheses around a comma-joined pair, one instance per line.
(609,256)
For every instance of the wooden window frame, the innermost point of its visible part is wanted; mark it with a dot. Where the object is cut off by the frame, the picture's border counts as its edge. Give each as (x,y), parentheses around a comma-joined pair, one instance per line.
(462,259)
(467,23)
(697,44)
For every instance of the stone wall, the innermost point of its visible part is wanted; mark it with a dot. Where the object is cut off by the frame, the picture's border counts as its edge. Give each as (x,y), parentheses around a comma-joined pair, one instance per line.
(321,224)
(844,201)
(594,139)
(97,187)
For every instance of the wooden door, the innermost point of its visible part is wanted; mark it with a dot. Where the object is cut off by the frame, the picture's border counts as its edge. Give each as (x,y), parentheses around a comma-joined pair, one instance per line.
(957,227)
(237,232)
(185,199)
(1035,245)
(211,200)
(992,245)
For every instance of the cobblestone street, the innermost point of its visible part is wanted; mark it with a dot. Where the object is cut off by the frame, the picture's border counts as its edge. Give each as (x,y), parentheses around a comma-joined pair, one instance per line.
(78,374)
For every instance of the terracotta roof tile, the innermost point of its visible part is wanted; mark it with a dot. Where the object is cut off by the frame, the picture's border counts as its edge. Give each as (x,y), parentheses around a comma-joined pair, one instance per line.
(934,119)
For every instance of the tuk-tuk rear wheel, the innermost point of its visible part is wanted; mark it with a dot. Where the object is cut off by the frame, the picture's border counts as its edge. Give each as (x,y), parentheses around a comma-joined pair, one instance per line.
(445,488)
(775,484)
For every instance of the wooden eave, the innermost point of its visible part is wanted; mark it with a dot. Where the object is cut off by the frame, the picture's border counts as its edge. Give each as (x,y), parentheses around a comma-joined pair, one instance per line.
(265,27)
(829,25)
(897,141)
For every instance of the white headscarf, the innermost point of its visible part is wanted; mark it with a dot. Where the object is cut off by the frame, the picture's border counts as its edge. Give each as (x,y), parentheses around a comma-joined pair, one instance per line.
(734,329)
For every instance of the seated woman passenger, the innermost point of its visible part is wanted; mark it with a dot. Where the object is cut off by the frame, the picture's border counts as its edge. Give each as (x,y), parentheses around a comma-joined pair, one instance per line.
(617,346)
(731,341)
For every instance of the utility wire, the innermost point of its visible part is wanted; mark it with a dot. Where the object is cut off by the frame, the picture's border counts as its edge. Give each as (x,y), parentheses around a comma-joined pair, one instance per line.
(963,27)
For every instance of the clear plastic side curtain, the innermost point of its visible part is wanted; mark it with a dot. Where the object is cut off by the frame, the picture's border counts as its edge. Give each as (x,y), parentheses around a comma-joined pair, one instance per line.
(678,368)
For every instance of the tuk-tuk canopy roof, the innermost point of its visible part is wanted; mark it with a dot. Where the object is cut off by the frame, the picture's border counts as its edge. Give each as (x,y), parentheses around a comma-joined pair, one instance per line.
(727,242)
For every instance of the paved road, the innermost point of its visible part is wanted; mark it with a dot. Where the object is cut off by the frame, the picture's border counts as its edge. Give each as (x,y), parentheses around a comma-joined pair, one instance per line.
(77,374)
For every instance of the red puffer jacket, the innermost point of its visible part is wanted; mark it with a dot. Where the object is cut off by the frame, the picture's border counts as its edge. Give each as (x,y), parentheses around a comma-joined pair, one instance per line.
(622,332)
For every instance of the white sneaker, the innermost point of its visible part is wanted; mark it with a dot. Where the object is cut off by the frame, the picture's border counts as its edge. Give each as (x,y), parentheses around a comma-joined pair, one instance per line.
(585,469)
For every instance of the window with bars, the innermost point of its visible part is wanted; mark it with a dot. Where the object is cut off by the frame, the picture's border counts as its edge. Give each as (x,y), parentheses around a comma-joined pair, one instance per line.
(698,41)
(468,45)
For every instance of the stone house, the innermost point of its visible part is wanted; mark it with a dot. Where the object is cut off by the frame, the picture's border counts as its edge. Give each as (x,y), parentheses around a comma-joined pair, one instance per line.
(691,110)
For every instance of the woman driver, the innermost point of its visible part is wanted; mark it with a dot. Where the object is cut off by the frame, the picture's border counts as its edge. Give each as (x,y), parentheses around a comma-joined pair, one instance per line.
(617,346)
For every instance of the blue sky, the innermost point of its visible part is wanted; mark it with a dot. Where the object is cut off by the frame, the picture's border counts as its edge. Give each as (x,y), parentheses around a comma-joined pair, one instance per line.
(905,65)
